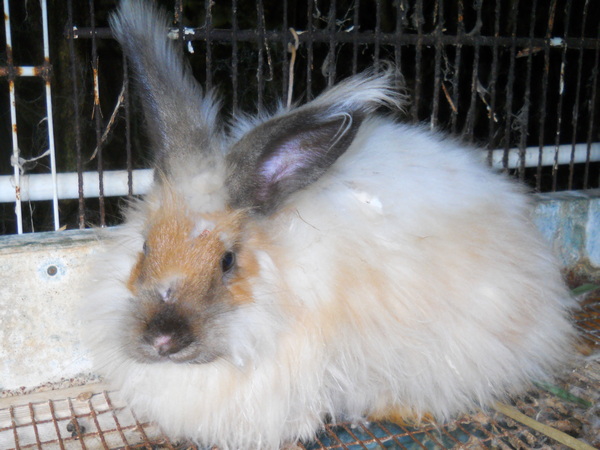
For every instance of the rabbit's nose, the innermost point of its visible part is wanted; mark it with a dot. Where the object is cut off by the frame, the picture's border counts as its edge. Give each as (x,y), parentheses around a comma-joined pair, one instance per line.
(168,332)
(168,344)
(164,344)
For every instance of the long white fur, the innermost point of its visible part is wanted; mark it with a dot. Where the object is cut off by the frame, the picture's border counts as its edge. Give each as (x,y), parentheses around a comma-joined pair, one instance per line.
(408,276)
(463,273)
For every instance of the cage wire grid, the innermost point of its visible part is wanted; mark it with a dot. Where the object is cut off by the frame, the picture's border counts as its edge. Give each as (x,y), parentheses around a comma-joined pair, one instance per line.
(519,79)
(91,417)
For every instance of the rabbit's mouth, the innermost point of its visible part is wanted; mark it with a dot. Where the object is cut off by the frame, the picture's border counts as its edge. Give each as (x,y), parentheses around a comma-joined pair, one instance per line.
(174,334)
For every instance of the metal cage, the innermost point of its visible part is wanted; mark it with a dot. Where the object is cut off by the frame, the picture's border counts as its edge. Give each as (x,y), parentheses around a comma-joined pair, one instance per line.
(518,79)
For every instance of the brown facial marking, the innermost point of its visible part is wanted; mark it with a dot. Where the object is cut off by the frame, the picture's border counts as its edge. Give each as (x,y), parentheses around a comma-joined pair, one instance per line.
(247,269)
(177,253)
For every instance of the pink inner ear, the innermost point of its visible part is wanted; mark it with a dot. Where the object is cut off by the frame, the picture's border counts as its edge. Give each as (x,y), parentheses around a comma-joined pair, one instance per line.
(288,159)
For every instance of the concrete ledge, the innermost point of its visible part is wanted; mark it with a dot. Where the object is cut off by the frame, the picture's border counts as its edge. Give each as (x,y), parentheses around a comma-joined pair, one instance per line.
(39,330)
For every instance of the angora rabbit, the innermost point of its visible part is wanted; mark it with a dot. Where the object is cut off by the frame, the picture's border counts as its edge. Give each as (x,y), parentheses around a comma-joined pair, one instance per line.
(324,263)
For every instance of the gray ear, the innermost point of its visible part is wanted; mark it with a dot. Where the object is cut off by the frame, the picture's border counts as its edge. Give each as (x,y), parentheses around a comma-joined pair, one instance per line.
(286,154)
(291,151)
(178,115)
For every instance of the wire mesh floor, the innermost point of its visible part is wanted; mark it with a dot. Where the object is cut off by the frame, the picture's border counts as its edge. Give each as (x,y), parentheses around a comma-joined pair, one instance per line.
(89,417)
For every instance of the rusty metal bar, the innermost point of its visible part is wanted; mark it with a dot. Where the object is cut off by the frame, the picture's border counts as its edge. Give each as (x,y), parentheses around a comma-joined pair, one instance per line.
(492,85)
(97,115)
(561,92)
(545,76)
(355,28)
(420,20)
(234,57)
(523,115)
(127,108)
(575,115)
(591,106)
(73,64)
(332,44)
(365,37)
(476,87)
(508,108)
(437,65)
(260,72)
(13,118)
(377,31)
(208,4)
(50,117)
(310,32)
(286,53)
(454,99)
(400,18)
(43,71)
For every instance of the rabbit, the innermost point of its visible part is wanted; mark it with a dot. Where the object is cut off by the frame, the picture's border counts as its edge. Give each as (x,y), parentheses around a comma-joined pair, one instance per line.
(325,262)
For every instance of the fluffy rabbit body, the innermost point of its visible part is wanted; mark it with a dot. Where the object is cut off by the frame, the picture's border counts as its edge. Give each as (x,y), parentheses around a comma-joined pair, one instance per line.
(323,263)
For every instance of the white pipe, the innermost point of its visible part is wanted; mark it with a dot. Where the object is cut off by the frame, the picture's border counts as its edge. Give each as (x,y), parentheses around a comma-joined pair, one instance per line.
(562,153)
(38,186)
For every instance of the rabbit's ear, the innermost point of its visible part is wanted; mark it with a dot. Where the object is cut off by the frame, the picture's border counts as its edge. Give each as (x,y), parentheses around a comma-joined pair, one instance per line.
(178,116)
(291,151)
(286,154)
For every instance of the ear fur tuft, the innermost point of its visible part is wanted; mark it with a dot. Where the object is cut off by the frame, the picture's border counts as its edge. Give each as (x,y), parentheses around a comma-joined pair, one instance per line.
(295,148)
(179,116)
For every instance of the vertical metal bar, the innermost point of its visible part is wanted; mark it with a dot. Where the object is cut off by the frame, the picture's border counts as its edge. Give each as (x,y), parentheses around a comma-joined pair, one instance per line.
(50,118)
(575,116)
(510,83)
(377,30)
(493,82)
(286,56)
(208,27)
(439,6)
(457,59)
(260,12)
(331,52)
(126,106)
(97,115)
(542,110)
(76,116)
(234,56)
(591,107)
(468,131)
(419,19)
(400,18)
(179,23)
(561,92)
(524,113)
(355,30)
(13,118)
(310,50)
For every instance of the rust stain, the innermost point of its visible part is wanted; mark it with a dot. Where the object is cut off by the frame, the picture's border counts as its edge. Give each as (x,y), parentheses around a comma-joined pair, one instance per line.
(96,87)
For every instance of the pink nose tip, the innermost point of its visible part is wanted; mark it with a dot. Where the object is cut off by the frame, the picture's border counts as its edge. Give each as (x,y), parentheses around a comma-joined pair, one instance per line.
(163,344)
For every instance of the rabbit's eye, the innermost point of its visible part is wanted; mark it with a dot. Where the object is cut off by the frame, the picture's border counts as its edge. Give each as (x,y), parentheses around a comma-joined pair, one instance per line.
(227,261)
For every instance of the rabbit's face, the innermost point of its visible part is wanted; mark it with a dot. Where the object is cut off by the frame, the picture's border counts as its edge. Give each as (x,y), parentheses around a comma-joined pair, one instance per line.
(189,277)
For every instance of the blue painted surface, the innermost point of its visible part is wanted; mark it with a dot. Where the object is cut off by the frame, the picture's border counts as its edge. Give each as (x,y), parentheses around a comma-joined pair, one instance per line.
(570,222)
